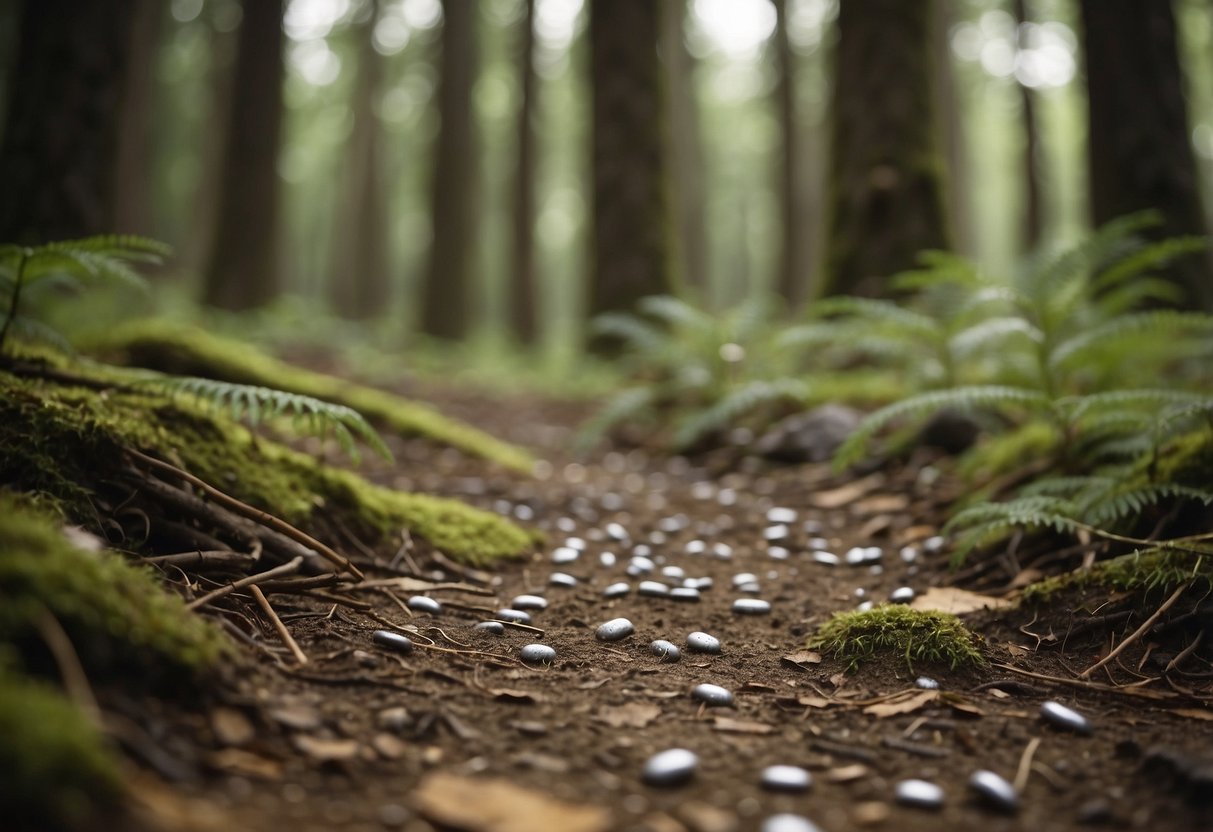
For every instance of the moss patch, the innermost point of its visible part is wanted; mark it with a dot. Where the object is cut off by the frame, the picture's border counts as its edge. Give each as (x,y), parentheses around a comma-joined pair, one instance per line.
(178,350)
(1146,571)
(921,637)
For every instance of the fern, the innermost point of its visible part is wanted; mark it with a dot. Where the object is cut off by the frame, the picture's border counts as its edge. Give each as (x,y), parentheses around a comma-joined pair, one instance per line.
(984,524)
(745,399)
(1106,507)
(628,404)
(1130,334)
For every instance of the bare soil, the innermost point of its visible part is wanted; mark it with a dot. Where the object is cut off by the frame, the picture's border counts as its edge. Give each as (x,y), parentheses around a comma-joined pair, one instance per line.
(462,734)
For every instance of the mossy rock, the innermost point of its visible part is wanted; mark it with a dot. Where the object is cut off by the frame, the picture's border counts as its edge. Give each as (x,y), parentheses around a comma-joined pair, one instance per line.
(921,637)
(181,350)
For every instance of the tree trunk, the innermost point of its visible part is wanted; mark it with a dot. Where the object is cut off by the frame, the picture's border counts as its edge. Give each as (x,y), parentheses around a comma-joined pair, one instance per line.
(949,109)
(686,149)
(60,145)
(132,197)
(444,312)
(1139,152)
(523,295)
(631,226)
(243,267)
(885,189)
(359,275)
(794,258)
(1033,220)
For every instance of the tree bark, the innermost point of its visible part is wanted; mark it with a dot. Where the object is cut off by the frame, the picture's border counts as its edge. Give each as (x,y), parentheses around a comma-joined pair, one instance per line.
(523,295)
(60,145)
(631,253)
(1033,219)
(794,258)
(242,272)
(360,287)
(445,312)
(1139,150)
(949,109)
(885,184)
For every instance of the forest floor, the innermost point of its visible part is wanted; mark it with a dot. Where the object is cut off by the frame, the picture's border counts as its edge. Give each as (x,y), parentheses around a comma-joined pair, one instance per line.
(462,734)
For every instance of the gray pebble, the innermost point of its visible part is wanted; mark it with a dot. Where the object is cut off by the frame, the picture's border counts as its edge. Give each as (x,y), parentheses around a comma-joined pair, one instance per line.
(751,606)
(665,650)
(786,822)
(778,553)
(575,543)
(696,547)
(538,654)
(562,579)
(653,589)
(616,531)
(704,583)
(675,572)
(529,602)
(781,515)
(750,589)
(565,555)
(421,603)
(722,551)
(864,607)
(671,767)
(392,641)
(863,555)
(713,695)
(909,554)
(902,595)
(684,593)
(995,790)
(617,590)
(517,616)
(826,558)
(926,683)
(933,544)
(742,578)
(779,532)
(642,550)
(786,779)
(819,543)
(920,793)
(607,559)
(698,642)
(494,627)
(1063,717)
(639,565)
(615,629)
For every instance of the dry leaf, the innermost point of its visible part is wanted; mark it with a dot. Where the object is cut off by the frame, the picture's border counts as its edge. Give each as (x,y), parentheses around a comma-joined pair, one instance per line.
(245,764)
(388,746)
(882,504)
(231,727)
(703,817)
(848,493)
(966,708)
(740,726)
(631,715)
(816,701)
(846,774)
(325,750)
(519,697)
(489,805)
(1194,713)
(1017,651)
(801,659)
(957,601)
(902,704)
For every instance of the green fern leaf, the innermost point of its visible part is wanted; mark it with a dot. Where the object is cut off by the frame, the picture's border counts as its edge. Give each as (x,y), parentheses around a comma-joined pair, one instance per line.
(1163,326)
(1146,259)
(731,407)
(623,406)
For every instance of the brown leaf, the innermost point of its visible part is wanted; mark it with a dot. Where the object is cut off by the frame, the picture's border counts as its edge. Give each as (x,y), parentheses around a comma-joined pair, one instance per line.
(965,707)
(957,601)
(1194,713)
(703,817)
(231,727)
(740,726)
(245,764)
(902,704)
(631,715)
(801,659)
(882,504)
(388,746)
(326,750)
(815,701)
(846,774)
(489,805)
(848,493)
(514,695)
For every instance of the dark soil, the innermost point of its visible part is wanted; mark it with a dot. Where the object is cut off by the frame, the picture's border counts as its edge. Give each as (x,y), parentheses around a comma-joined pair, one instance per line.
(358,739)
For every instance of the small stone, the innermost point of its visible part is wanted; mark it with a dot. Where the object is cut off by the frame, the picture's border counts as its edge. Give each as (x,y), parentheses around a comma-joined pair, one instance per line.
(926,683)
(744,578)
(537,654)
(778,553)
(864,607)
(653,589)
(781,515)
(685,593)
(607,559)
(671,767)
(529,602)
(902,595)
(751,606)
(565,554)
(779,532)
(818,543)
(642,550)
(395,719)
(863,555)
(676,573)
(494,627)
(422,603)
(750,589)
(575,543)
(786,822)
(826,558)
(909,554)
(704,582)
(933,544)
(562,579)
(713,695)
(995,790)
(667,651)
(722,551)
(617,590)
(919,793)
(615,629)
(1063,717)
(698,642)
(696,547)
(516,616)
(392,641)
(786,779)
(616,532)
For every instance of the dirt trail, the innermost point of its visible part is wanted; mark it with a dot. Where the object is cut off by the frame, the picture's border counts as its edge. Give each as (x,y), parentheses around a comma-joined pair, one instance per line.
(464,733)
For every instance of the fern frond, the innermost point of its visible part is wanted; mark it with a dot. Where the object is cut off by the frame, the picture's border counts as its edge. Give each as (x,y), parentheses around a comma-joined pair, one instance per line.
(735,404)
(1066,487)
(1138,293)
(992,332)
(622,407)
(1147,258)
(674,311)
(636,334)
(1080,408)
(886,312)
(939,268)
(1108,506)
(1156,327)
(30,330)
(985,524)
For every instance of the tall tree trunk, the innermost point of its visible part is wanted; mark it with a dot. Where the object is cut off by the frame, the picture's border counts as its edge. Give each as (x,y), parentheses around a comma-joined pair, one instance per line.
(949,109)
(631,254)
(360,288)
(1138,147)
(60,144)
(686,148)
(243,267)
(445,312)
(1033,220)
(523,295)
(885,188)
(793,266)
(132,185)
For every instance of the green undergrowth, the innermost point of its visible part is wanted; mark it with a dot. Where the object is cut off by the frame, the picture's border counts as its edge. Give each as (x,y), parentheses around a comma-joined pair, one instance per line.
(921,637)
(1155,570)
(63,442)
(183,350)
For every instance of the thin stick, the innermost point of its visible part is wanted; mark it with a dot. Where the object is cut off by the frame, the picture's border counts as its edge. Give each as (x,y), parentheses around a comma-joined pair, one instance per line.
(264,518)
(1128,690)
(1139,632)
(1184,653)
(283,633)
(1025,764)
(287,568)
(71,671)
(205,558)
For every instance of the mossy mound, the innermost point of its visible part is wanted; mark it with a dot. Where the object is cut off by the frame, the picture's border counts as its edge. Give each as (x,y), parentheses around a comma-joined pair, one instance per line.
(1158,570)
(180,350)
(921,637)
(68,443)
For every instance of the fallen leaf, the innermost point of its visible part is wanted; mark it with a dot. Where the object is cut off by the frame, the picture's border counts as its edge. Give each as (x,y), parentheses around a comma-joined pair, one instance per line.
(519,697)
(815,701)
(231,727)
(801,659)
(703,817)
(965,707)
(299,717)
(882,504)
(1194,713)
(388,746)
(957,601)
(631,715)
(846,774)
(245,764)
(740,726)
(758,687)
(1018,651)
(849,493)
(326,750)
(491,805)
(902,704)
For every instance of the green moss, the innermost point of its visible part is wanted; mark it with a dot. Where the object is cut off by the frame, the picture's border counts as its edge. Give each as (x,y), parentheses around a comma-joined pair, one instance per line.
(1153,569)
(179,350)
(920,636)
(58,772)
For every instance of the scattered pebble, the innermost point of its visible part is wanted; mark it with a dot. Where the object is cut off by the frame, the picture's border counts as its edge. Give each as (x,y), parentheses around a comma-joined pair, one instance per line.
(537,654)
(675,572)
(565,554)
(529,602)
(750,589)
(779,532)
(995,790)
(863,555)
(933,544)
(789,823)
(1063,717)
(778,553)
(575,543)
(653,589)
(722,551)
(919,793)
(743,578)
(617,590)
(562,579)
(926,683)
(786,778)
(667,651)
(698,642)
(781,515)
(751,606)
(713,695)
(671,767)
(826,558)
(909,554)
(616,531)
(902,595)
(864,607)
(685,593)
(392,641)
(640,565)
(422,603)
(607,559)
(517,616)
(494,627)
(615,629)
(696,547)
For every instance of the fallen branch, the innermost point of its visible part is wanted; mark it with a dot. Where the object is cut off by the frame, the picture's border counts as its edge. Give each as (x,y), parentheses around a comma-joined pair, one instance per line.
(1140,631)
(1025,765)
(285,569)
(279,627)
